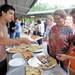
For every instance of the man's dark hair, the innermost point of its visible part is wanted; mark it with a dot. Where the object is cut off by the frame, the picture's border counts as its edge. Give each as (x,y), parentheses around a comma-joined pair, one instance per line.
(6,8)
(72,11)
(39,21)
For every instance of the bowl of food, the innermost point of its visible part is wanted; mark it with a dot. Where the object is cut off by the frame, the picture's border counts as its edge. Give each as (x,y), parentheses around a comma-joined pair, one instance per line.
(47,62)
(44,62)
(33,71)
(27,54)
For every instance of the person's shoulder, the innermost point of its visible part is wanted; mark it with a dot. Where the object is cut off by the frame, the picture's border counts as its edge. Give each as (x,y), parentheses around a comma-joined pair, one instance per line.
(54,27)
(67,26)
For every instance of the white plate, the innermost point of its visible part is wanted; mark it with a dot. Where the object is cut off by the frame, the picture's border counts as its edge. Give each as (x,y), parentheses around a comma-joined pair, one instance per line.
(8,49)
(34,62)
(38,38)
(38,54)
(35,39)
(16,62)
(38,51)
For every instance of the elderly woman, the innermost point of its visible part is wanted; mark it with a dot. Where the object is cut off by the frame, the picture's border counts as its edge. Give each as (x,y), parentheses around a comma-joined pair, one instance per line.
(58,37)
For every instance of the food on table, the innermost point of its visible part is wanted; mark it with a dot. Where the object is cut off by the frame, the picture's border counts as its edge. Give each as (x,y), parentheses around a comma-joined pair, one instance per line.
(56,73)
(14,50)
(47,62)
(35,47)
(33,71)
(34,37)
(59,73)
(23,47)
(51,73)
(27,54)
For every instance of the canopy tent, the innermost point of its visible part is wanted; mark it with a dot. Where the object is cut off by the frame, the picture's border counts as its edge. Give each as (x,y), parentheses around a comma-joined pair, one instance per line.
(21,6)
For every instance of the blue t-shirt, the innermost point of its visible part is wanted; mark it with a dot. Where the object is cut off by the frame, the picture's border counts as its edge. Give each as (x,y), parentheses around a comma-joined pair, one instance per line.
(18,27)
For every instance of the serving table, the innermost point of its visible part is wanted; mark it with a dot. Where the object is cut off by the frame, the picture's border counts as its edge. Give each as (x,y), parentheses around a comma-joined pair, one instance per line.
(52,71)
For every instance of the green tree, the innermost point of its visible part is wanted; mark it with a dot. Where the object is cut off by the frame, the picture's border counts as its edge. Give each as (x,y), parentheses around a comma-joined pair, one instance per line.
(40,7)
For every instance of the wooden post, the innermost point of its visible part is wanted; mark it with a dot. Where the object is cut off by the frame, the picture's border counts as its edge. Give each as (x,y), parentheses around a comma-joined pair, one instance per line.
(6,2)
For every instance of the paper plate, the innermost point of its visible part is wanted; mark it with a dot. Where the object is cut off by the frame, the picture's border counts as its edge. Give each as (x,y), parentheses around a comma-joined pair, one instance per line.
(34,62)
(16,62)
(38,51)
(12,50)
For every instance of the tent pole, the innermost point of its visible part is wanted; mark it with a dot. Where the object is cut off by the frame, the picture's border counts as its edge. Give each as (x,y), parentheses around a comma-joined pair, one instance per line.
(6,2)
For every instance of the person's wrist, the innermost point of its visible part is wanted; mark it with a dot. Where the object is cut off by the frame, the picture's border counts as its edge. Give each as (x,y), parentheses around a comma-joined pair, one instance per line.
(18,41)
(67,57)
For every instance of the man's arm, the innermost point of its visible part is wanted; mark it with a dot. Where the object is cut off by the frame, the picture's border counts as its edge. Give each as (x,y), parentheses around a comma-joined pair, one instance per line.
(8,41)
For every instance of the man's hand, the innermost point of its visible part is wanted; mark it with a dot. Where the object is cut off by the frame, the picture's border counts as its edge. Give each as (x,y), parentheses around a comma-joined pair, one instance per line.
(25,40)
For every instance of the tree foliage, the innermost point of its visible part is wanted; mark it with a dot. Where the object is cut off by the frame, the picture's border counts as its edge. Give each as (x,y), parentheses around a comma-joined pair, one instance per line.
(43,7)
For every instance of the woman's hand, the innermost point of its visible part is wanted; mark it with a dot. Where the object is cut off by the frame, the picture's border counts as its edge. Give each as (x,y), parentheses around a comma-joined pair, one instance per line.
(61,57)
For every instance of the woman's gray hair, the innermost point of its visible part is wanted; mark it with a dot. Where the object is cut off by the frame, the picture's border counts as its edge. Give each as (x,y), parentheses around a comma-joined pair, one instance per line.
(50,17)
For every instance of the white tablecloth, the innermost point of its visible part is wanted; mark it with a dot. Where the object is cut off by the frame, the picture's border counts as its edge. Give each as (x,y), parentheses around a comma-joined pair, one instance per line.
(55,70)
